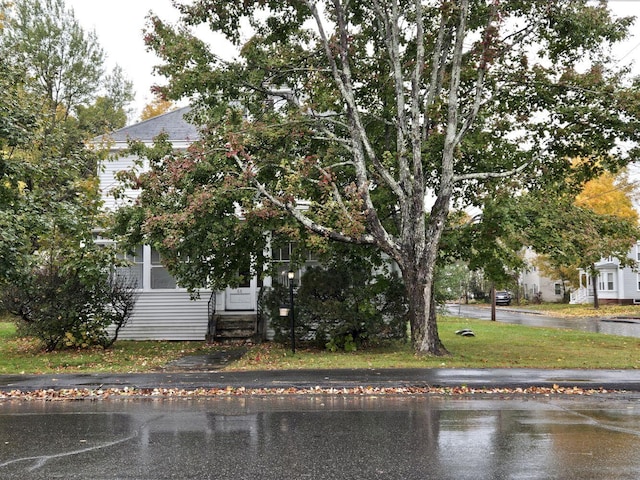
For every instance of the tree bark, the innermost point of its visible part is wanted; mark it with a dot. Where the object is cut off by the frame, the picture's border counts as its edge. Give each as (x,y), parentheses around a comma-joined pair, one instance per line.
(419,284)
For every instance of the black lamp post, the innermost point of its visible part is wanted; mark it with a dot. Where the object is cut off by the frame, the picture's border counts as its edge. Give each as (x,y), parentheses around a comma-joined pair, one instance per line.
(288,311)
(291,276)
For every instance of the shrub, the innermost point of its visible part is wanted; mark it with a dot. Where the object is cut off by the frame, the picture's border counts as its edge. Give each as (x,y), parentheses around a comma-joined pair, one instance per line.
(72,301)
(342,308)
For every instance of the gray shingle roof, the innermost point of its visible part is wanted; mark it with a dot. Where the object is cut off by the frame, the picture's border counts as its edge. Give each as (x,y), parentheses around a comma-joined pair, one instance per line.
(173,123)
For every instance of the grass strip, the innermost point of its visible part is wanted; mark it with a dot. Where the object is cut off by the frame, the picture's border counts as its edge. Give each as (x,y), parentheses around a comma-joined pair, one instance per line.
(495,345)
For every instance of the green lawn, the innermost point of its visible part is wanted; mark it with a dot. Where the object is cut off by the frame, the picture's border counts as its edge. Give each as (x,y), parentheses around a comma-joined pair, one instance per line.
(24,355)
(495,345)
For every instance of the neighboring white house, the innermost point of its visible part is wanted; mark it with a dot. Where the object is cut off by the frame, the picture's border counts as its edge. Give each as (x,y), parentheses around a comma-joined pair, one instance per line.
(164,311)
(615,284)
(536,286)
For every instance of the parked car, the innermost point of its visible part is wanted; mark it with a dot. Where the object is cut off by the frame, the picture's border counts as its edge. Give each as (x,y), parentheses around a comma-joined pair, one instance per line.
(503,297)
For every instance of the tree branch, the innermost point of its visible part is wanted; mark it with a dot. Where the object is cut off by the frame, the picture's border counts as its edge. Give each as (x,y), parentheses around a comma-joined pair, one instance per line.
(482,69)
(308,223)
(342,78)
(487,175)
(438,62)
(392,41)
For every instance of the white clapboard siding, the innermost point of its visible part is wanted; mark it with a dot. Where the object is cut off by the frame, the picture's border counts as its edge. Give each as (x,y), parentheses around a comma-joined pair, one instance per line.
(107,174)
(167,316)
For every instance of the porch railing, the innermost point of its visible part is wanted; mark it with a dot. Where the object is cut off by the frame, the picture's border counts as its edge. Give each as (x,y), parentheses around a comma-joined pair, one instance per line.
(211,311)
(581,295)
(261,315)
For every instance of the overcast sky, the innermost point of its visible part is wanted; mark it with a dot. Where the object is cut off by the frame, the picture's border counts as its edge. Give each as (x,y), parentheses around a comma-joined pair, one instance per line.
(119,25)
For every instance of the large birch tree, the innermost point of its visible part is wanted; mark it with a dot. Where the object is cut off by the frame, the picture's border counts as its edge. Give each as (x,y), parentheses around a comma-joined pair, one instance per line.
(368,121)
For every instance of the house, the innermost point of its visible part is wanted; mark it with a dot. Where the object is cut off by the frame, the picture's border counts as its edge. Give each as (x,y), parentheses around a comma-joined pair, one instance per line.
(616,284)
(164,310)
(536,287)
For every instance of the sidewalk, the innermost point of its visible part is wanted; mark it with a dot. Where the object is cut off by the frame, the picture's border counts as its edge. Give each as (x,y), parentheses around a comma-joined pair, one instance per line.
(628,380)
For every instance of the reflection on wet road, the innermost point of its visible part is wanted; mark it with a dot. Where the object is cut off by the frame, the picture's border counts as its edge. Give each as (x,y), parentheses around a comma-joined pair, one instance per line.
(323,437)
(616,326)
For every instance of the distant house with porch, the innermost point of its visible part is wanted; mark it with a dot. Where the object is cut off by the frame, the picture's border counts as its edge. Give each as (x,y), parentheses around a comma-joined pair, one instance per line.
(615,284)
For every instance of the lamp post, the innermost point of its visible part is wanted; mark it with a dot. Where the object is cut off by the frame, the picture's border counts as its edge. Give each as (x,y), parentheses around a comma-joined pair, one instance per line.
(287,311)
(291,276)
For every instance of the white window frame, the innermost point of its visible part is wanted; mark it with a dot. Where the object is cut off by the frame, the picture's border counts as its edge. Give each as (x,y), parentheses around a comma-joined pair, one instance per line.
(283,263)
(155,266)
(606,282)
(135,269)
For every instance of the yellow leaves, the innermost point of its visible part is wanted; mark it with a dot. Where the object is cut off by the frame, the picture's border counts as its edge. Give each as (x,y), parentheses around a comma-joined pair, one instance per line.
(158,106)
(608,195)
(20,186)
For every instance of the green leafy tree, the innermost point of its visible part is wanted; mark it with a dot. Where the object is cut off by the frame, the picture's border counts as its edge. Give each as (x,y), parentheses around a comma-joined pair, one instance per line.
(566,235)
(452,282)
(109,111)
(65,61)
(586,238)
(49,197)
(66,64)
(346,116)
(607,226)
(18,124)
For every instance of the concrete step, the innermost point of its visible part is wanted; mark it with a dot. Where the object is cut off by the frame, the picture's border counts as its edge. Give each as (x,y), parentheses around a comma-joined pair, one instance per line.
(236,334)
(235,327)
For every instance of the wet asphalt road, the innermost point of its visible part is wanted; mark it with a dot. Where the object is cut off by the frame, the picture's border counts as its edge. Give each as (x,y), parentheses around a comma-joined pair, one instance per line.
(629,327)
(323,437)
(326,436)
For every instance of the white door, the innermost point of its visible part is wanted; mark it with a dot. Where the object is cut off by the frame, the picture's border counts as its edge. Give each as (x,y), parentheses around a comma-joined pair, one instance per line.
(241,298)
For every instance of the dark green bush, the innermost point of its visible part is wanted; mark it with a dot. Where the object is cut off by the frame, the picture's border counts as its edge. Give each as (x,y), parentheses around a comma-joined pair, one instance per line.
(342,308)
(75,301)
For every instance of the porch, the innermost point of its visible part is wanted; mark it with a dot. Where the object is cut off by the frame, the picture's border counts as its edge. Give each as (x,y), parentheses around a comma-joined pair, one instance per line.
(609,283)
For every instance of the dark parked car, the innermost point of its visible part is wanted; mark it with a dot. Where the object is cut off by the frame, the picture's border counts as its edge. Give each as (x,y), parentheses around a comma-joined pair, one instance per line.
(503,297)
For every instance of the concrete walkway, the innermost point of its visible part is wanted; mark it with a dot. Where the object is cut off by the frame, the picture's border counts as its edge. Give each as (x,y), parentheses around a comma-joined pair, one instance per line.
(348,378)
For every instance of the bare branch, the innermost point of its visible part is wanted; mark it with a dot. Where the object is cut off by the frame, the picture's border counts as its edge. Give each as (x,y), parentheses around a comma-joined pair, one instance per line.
(416,88)
(342,78)
(488,175)
(437,73)
(453,104)
(392,40)
(285,94)
(334,138)
(482,69)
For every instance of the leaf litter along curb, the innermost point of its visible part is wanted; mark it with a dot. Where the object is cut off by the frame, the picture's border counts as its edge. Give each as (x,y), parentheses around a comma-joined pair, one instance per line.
(156,393)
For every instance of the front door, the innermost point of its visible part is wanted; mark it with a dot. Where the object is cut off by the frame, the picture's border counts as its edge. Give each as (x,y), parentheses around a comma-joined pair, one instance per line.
(243,297)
